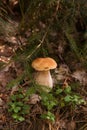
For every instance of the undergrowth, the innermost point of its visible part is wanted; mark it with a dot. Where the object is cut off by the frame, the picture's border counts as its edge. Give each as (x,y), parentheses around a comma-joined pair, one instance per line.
(19,105)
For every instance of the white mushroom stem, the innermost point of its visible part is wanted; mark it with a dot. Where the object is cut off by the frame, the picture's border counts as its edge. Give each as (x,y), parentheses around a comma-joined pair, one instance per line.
(44,78)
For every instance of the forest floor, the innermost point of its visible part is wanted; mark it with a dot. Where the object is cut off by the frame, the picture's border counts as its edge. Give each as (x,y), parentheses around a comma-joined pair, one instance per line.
(65,118)
(69,120)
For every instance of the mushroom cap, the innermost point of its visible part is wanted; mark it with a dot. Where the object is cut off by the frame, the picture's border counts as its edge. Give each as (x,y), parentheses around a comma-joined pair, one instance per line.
(44,64)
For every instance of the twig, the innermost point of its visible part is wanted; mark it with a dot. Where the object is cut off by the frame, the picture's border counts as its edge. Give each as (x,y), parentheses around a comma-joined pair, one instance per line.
(34,51)
(83,127)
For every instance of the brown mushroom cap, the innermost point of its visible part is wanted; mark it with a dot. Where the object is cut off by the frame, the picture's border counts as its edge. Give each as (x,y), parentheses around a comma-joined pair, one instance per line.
(44,64)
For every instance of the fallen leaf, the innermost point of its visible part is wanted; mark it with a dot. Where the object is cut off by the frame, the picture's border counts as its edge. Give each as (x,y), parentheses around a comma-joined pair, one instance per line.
(81,76)
(34,99)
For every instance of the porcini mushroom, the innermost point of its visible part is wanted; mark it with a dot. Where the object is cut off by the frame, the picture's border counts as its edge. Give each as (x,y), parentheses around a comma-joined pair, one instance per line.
(43,75)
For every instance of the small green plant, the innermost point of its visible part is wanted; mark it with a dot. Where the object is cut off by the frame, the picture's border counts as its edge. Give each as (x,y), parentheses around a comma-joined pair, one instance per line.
(49,102)
(67,97)
(18,107)
(49,116)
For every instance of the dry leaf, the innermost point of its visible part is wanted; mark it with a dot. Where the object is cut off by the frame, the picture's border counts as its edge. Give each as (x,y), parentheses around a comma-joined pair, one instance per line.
(62,72)
(1,102)
(14,89)
(81,76)
(34,99)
